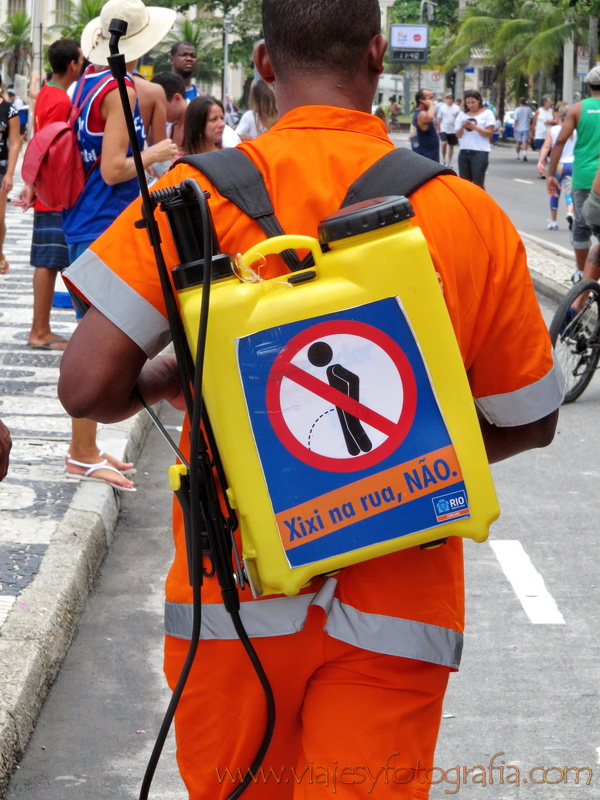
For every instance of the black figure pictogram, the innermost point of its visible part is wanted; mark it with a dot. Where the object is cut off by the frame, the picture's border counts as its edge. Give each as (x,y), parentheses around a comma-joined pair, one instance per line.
(355,436)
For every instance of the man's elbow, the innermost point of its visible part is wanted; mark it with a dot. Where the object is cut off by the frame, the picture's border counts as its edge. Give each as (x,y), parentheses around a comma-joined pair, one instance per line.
(544,430)
(110,179)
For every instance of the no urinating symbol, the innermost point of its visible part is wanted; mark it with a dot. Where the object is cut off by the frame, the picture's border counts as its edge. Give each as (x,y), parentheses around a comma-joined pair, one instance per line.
(341,396)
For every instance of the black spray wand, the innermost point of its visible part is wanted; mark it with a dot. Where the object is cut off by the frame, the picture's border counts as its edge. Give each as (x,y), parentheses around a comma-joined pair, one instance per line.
(198,495)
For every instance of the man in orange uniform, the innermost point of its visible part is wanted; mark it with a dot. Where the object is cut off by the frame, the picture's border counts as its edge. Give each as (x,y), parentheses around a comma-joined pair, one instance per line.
(358,662)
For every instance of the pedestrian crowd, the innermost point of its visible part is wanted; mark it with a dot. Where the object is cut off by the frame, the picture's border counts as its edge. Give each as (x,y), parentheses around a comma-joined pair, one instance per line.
(172,118)
(446,125)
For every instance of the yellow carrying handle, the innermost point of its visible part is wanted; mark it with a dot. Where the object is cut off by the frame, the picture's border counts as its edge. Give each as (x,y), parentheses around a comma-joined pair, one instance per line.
(274,246)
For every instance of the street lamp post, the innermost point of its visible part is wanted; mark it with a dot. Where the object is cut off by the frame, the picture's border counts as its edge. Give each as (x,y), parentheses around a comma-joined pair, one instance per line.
(430,5)
(226,32)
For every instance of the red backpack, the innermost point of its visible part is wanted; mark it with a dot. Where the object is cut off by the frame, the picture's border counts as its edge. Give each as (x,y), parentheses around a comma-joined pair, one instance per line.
(52,161)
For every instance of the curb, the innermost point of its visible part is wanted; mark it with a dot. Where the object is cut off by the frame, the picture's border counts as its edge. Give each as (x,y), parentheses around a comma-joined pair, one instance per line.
(40,627)
(557,249)
(547,287)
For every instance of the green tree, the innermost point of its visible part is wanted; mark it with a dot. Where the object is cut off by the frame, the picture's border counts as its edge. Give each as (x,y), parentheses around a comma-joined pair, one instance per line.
(407,11)
(205,32)
(71,24)
(15,42)
(521,38)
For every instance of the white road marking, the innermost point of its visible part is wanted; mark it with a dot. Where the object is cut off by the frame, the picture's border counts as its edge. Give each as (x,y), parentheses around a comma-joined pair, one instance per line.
(538,603)
(598,751)
(520,180)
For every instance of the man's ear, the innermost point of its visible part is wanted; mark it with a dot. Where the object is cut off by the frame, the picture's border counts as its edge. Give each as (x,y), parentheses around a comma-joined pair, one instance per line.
(263,63)
(377,47)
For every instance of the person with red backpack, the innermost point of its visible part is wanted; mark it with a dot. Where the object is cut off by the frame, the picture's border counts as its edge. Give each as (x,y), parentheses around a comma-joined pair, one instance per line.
(49,253)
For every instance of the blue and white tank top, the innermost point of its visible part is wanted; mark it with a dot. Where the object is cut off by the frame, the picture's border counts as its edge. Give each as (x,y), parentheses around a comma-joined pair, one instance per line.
(99,204)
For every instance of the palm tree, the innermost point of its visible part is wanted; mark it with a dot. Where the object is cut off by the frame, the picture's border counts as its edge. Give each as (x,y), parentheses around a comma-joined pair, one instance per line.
(521,37)
(77,17)
(15,42)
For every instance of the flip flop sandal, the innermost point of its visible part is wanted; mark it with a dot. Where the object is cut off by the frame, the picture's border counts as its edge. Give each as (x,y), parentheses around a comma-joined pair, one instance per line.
(48,345)
(90,469)
(126,472)
(4,266)
(102,453)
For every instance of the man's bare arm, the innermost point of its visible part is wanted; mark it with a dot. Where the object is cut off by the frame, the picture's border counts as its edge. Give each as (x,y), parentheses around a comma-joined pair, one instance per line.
(102,388)
(426,116)
(116,166)
(502,443)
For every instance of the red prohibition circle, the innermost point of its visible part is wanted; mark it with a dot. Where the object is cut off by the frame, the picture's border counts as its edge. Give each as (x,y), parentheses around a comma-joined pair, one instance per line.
(279,371)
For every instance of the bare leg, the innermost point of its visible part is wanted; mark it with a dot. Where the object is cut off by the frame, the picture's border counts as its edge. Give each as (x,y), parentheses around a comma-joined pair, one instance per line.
(3,198)
(591,271)
(43,292)
(581,258)
(83,448)
(450,154)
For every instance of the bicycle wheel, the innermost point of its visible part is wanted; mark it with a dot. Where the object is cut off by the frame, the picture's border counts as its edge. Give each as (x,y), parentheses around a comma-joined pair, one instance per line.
(576,338)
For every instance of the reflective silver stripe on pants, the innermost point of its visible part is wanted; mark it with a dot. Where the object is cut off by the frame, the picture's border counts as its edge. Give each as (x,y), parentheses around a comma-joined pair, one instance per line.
(527,404)
(121,304)
(377,633)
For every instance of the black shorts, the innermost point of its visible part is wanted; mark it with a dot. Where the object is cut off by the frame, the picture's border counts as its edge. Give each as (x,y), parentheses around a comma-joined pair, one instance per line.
(48,246)
(450,138)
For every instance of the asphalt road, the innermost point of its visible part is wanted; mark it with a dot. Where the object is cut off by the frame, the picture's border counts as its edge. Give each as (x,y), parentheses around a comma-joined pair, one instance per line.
(527,689)
(517,188)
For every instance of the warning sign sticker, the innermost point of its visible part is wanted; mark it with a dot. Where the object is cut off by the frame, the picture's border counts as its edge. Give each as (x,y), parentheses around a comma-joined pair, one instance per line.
(351,440)
(341,396)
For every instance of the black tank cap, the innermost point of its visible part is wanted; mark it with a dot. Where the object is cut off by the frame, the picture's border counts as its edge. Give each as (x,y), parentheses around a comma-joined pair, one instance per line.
(187,275)
(370,215)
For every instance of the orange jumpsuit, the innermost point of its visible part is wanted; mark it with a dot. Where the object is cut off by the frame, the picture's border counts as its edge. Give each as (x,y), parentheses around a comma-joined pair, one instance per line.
(359,662)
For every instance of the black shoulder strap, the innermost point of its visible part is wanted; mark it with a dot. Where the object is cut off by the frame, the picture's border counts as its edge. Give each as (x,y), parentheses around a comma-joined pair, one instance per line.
(399,172)
(236,178)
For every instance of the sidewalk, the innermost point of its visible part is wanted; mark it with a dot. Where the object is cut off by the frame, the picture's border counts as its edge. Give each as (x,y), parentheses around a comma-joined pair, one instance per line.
(54,533)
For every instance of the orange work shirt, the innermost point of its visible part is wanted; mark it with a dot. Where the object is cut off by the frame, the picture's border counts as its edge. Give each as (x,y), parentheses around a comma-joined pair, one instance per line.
(408,603)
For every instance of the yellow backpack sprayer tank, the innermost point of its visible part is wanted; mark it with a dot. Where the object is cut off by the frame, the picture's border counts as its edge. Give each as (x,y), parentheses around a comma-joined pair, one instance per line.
(340,403)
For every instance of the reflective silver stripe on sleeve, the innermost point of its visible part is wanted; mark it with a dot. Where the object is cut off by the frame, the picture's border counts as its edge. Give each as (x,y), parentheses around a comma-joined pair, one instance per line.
(525,405)
(376,633)
(129,311)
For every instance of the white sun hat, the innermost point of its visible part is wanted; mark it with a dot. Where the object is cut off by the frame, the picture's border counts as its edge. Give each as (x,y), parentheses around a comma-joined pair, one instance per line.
(146,27)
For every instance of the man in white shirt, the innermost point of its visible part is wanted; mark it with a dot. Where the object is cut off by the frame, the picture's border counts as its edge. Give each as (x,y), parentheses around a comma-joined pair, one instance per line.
(444,122)
(523,115)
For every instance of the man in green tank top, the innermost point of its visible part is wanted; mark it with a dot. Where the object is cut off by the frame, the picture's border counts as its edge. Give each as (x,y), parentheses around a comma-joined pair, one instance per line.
(585,118)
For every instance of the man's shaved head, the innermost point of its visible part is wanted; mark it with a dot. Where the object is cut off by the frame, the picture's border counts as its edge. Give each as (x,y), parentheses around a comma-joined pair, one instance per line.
(319,36)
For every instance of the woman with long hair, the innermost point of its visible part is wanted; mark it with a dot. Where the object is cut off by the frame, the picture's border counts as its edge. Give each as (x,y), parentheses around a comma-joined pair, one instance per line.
(204,125)
(474,127)
(262,115)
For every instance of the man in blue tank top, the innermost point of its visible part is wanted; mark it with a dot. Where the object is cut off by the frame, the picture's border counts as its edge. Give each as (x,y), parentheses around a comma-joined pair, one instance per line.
(428,141)
(111,178)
